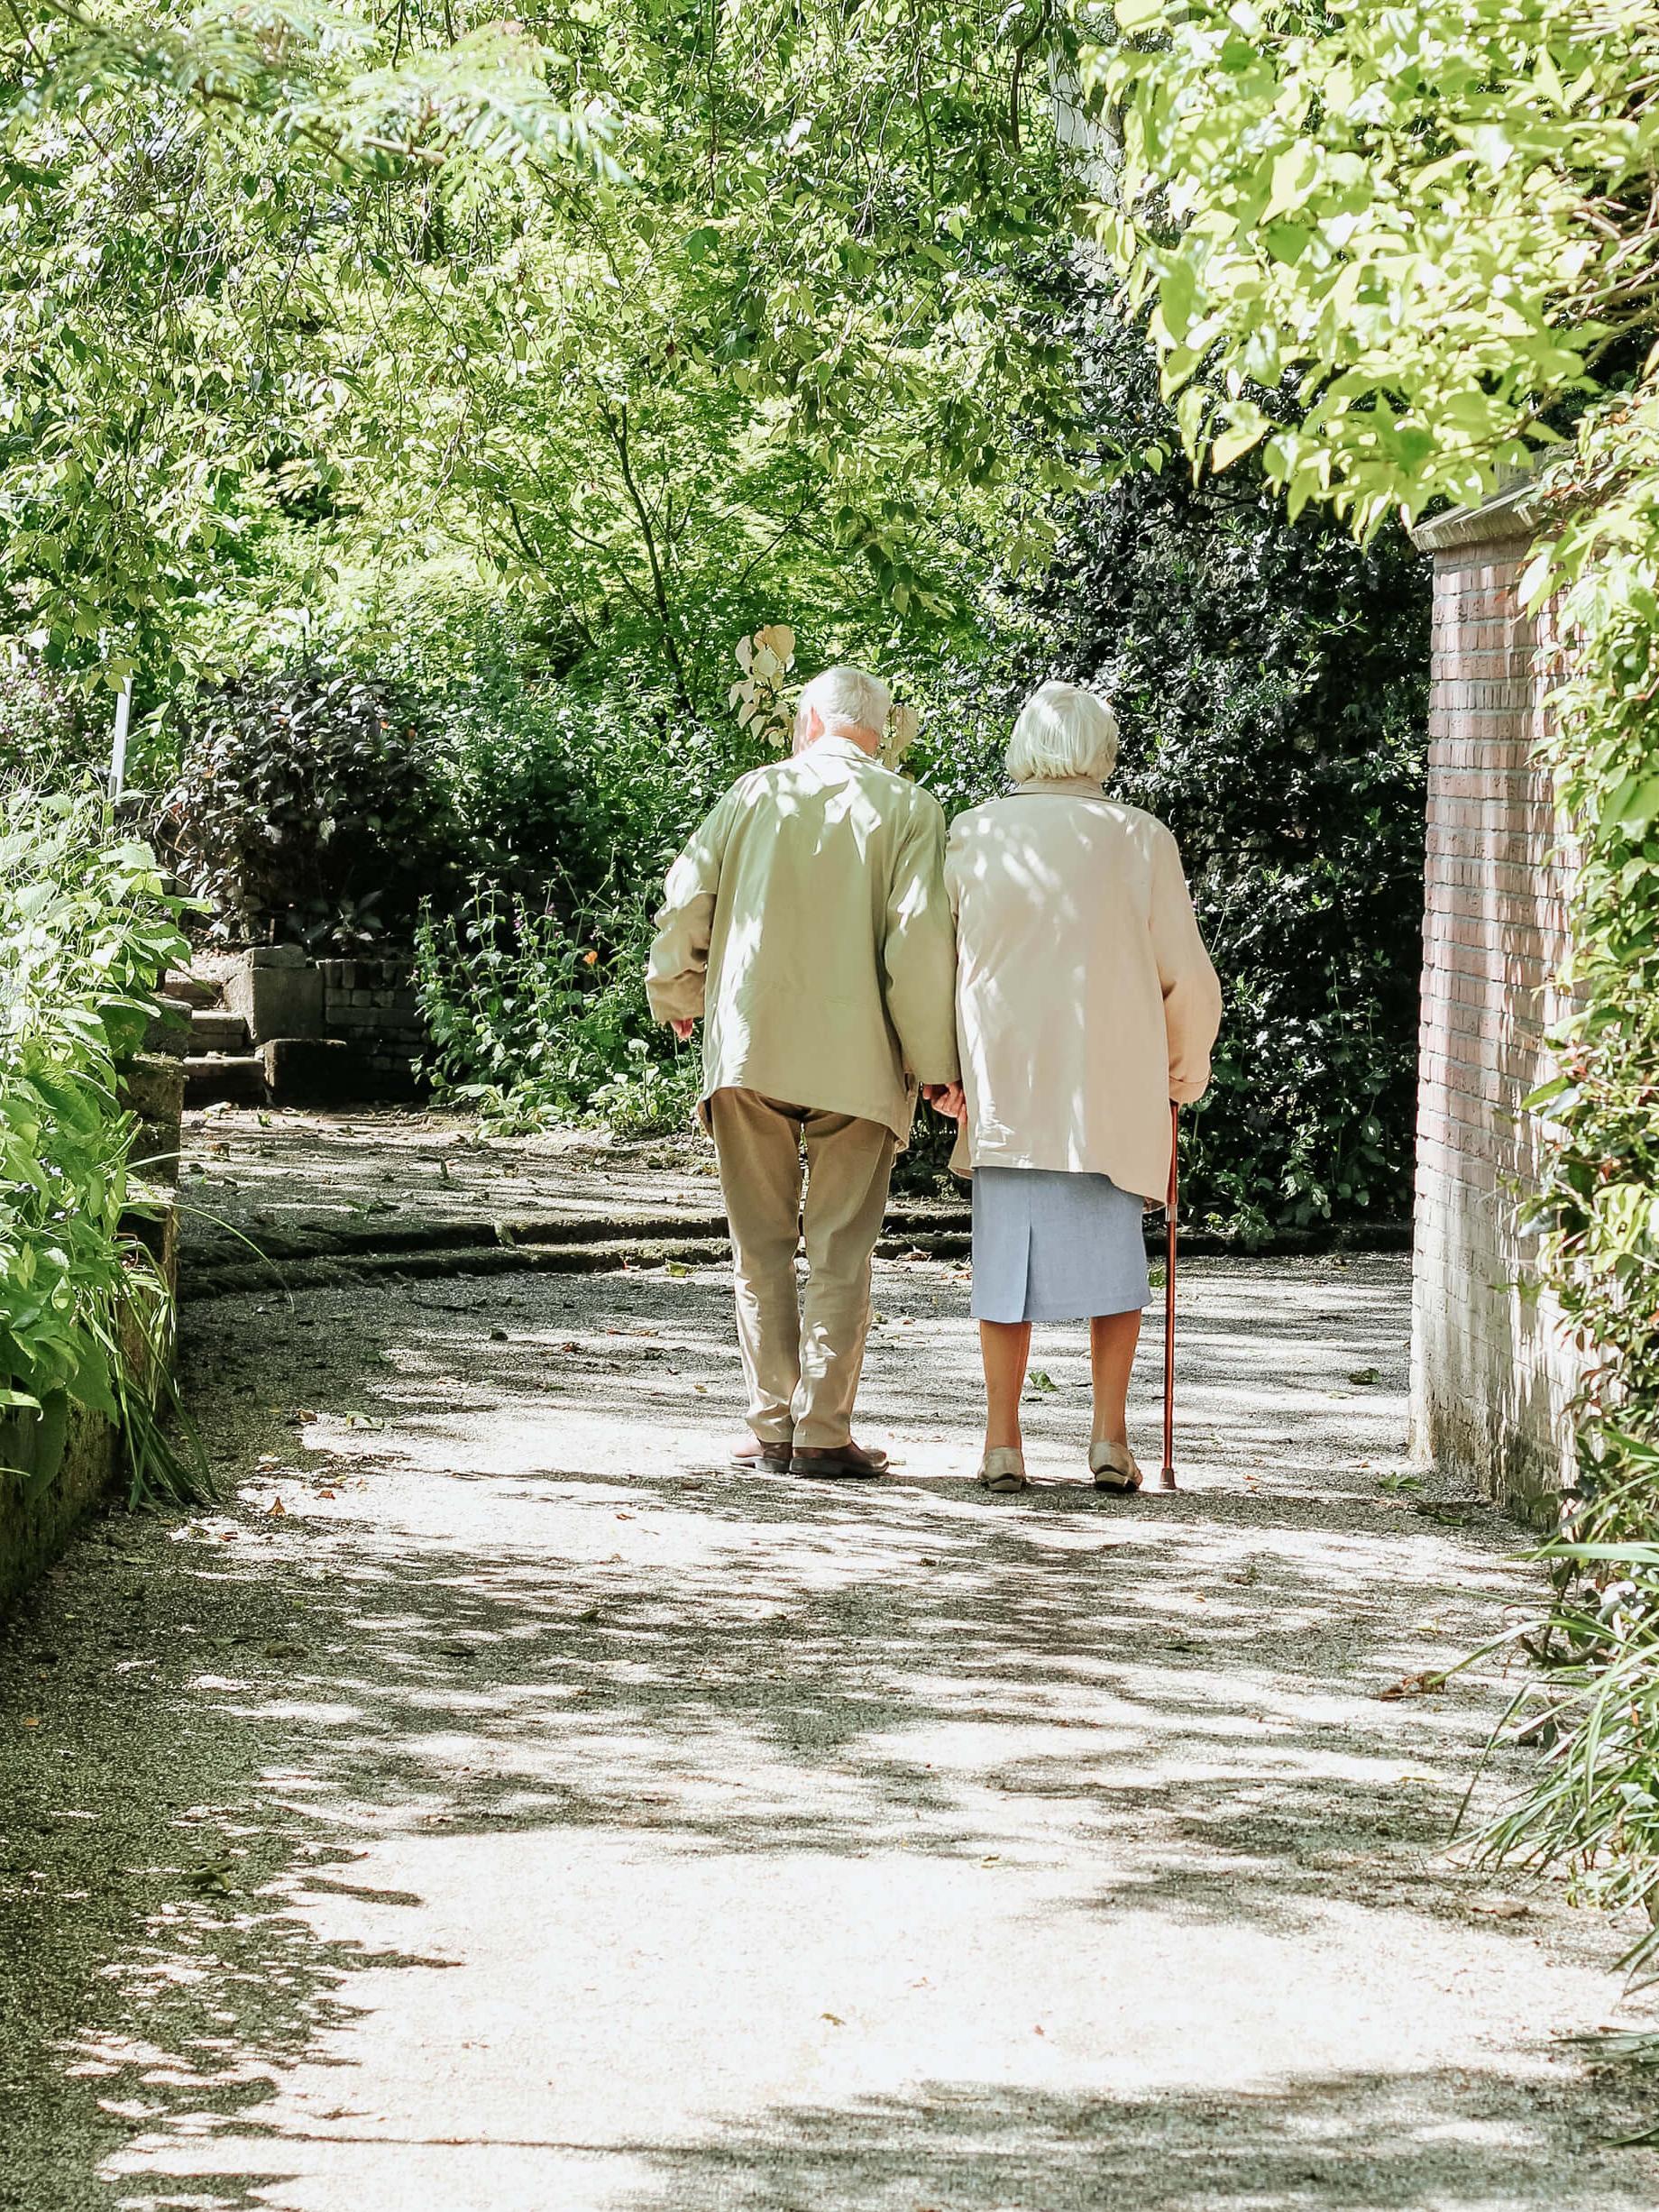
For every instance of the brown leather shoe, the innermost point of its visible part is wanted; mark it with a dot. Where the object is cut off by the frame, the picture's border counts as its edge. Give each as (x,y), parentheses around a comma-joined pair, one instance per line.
(839,1463)
(753,1456)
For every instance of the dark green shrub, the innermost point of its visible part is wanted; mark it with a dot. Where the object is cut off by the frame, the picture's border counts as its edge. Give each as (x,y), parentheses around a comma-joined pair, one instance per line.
(1269,680)
(309,803)
(52,737)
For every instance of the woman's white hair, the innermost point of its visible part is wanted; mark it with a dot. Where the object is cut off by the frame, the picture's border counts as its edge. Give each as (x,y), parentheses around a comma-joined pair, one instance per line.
(1063,731)
(843,694)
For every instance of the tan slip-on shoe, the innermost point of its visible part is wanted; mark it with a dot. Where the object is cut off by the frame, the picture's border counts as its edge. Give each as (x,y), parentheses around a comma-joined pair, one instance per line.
(1004,1468)
(1112,1466)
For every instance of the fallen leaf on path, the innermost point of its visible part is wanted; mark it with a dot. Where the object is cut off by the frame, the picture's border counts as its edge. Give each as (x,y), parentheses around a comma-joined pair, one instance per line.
(1415,1685)
(30,1720)
(676,1267)
(1364,1374)
(834,2019)
(276,1507)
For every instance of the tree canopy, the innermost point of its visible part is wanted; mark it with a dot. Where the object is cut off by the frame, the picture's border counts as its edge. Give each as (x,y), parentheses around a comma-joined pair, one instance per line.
(634,299)
(1434,221)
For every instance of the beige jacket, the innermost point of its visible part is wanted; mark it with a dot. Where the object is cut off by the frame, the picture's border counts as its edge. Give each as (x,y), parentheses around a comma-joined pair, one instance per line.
(1085,1001)
(807,922)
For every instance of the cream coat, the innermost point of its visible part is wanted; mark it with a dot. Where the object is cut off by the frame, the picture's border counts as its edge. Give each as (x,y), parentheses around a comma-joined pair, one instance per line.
(807,922)
(1085,1001)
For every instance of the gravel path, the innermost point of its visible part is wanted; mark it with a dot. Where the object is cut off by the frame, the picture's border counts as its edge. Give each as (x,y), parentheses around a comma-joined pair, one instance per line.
(498,1806)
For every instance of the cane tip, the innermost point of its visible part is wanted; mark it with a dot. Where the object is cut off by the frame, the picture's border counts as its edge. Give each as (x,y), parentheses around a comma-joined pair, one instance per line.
(1165,1477)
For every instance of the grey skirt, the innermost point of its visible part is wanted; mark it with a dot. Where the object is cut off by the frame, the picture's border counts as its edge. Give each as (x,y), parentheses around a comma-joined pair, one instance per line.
(1049,1246)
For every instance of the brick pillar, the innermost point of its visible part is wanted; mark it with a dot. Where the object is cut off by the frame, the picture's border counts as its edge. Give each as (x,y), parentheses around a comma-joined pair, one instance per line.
(1491,1367)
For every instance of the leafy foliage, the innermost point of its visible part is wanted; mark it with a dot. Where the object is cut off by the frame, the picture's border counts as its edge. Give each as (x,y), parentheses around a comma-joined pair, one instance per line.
(85,929)
(1433,219)
(47,738)
(532,1022)
(638,303)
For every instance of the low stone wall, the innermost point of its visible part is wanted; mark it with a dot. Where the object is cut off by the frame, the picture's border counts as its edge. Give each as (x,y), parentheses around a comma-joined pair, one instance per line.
(332,1030)
(1491,1368)
(37,1518)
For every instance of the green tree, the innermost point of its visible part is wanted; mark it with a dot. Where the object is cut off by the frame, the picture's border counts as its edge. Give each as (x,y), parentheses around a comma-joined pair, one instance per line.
(640,302)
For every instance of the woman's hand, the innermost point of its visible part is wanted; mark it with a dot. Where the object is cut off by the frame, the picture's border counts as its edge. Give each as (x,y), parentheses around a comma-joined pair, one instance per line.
(682,1030)
(947,1099)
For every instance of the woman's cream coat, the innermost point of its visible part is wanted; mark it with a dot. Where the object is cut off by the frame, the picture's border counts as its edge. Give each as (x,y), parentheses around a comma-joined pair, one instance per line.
(1085,1000)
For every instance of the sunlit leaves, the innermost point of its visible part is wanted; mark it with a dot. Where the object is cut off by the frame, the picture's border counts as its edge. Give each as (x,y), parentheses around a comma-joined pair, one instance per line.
(1434,208)
(638,300)
(85,929)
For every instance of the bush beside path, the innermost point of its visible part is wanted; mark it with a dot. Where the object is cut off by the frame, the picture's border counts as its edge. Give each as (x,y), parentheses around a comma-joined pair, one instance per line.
(495,1803)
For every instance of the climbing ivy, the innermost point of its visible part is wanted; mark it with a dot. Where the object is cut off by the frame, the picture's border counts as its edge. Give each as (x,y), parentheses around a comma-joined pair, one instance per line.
(1434,223)
(1596,1804)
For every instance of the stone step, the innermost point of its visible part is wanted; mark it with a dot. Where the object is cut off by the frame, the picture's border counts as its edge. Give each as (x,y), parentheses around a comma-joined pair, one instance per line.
(225,1078)
(194,990)
(215,1028)
(168,1027)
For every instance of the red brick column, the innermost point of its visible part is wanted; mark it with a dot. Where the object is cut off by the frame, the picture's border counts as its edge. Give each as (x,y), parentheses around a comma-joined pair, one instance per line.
(1491,1369)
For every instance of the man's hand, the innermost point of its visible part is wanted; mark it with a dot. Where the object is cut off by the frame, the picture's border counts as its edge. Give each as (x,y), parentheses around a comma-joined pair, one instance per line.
(947,1099)
(683,1031)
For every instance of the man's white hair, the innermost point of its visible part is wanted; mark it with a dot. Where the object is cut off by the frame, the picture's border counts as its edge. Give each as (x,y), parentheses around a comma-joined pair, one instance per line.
(844,695)
(1063,731)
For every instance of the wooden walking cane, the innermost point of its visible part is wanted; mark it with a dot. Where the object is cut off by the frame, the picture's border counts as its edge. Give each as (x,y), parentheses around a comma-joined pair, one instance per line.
(1166,1479)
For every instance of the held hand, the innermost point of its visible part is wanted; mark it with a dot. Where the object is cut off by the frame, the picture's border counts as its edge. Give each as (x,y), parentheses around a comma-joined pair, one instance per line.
(947,1099)
(683,1031)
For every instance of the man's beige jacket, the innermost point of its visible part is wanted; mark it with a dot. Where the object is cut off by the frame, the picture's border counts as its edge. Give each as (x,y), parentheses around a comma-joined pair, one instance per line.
(1085,1001)
(807,922)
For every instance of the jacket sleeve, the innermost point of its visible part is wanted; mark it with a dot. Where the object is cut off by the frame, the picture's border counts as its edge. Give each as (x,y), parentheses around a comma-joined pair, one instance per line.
(919,950)
(1192,995)
(678,965)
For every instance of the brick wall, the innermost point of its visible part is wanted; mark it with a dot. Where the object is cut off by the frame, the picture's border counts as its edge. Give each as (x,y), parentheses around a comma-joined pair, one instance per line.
(372,1004)
(1491,1368)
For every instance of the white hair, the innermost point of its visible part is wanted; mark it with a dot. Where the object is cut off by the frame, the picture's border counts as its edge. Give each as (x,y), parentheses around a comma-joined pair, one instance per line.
(1063,731)
(843,694)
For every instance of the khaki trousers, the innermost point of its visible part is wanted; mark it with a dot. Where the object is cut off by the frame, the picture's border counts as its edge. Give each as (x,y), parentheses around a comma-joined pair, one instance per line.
(802,1359)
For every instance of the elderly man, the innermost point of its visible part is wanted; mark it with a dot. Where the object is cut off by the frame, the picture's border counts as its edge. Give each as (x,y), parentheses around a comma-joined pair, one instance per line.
(807,921)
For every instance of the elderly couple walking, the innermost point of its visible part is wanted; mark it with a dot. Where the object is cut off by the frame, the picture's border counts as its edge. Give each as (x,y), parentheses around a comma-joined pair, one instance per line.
(1038,974)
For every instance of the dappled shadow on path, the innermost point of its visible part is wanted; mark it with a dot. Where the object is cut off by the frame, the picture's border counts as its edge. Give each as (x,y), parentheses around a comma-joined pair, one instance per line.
(534,1812)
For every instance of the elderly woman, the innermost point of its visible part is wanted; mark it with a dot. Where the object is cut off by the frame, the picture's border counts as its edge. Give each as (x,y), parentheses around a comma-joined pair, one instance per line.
(1086,1001)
